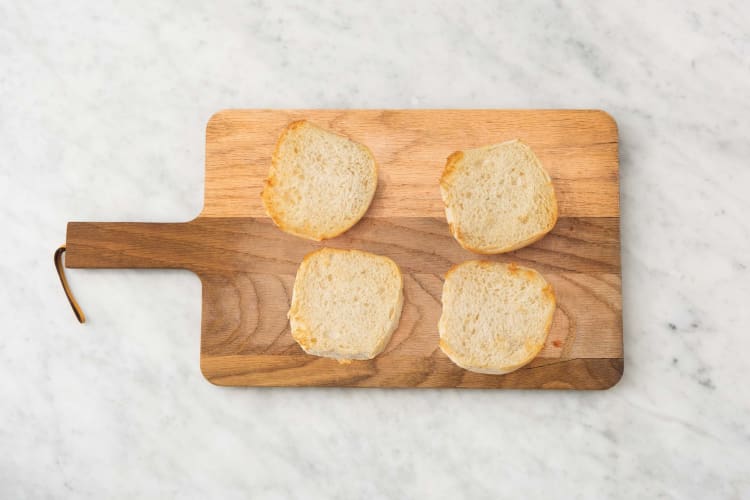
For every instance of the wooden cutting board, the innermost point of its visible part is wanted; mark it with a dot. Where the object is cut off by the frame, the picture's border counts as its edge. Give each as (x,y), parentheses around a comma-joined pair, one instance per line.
(247,265)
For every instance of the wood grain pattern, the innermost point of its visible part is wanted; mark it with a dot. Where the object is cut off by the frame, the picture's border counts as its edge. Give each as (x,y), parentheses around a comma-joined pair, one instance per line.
(578,148)
(247,265)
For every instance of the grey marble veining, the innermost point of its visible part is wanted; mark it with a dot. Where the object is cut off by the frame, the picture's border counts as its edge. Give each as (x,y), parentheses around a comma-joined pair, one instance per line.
(103,108)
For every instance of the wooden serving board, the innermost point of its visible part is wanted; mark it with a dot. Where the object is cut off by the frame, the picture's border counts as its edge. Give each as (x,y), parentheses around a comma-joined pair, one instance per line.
(247,265)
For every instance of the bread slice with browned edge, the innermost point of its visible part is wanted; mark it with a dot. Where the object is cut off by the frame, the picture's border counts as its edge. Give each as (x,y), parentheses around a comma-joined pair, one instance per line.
(320,183)
(496,316)
(346,304)
(497,198)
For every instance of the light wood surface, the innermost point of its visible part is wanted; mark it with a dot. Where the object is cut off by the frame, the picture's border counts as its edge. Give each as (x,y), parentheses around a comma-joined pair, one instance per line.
(247,265)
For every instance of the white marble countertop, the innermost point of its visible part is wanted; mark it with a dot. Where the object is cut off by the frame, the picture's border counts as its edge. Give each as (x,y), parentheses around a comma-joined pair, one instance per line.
(104,106)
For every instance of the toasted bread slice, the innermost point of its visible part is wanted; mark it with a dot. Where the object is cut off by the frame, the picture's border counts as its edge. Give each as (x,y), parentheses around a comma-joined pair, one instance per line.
(496,316)
(497,198)
(320,183)
(346,304)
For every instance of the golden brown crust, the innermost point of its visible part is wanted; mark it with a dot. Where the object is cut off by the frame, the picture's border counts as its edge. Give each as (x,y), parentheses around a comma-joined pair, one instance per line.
(455,358)
(270,182)
(455,267)
(451,167)
(296,124)
(300,331)
(532,349)
(282,137)
(272,208)
(452,229)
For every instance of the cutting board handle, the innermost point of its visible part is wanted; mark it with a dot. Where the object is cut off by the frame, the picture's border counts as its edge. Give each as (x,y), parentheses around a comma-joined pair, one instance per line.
(141,245)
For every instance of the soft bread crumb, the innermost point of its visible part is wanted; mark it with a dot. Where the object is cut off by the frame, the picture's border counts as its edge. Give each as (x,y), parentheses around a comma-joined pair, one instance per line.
(497,198)
(320,183)
(346,304)
(496,317)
